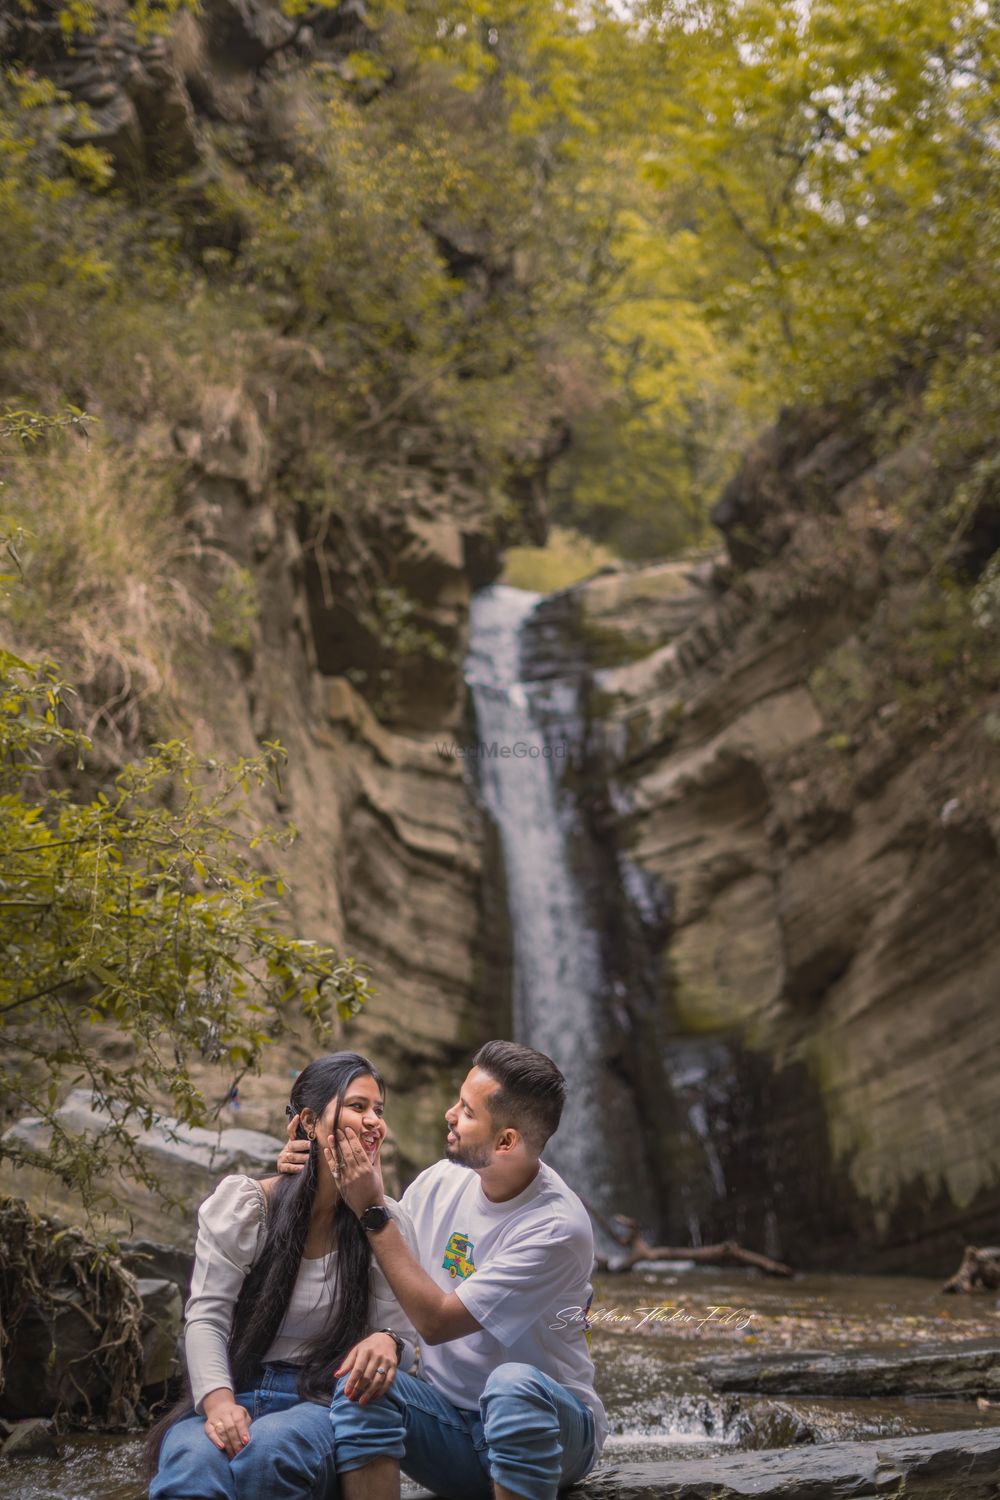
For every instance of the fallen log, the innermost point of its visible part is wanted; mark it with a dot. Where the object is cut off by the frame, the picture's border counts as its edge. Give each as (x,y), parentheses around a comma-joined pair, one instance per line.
(627,1233)
(980,1269)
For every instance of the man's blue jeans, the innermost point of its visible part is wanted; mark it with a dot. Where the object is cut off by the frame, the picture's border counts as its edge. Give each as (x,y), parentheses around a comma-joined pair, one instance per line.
(289,1455)
(530,1434)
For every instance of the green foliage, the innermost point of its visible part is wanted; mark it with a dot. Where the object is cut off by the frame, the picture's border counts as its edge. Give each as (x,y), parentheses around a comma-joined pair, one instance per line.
(149,18)
(477,228)
(140,911)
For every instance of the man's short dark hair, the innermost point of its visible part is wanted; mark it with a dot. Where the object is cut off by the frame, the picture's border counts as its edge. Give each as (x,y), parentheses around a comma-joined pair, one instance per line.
(531,1094)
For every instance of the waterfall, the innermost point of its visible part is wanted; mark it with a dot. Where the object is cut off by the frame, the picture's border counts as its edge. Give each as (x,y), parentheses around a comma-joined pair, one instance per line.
(659,1123)
(560,989)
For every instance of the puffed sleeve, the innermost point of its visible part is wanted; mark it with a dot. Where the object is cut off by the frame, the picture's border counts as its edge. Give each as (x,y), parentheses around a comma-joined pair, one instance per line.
(385,1310)
(230,1233)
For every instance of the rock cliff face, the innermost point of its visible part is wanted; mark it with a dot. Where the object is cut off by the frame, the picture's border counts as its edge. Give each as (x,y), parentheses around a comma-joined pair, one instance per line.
(820,1049)
(389,858)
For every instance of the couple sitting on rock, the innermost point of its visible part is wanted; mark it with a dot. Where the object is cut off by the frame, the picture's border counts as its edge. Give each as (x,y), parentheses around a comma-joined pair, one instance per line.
(311,1290)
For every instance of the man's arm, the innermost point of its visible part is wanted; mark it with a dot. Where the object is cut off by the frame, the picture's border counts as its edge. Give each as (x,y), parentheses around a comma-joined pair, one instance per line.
(437,1316)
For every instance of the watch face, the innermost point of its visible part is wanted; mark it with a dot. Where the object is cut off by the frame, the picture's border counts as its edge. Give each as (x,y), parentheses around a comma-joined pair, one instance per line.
(375,1218)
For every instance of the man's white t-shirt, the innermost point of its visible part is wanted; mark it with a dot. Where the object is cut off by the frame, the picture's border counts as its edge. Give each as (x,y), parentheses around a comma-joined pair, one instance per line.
(522,1268)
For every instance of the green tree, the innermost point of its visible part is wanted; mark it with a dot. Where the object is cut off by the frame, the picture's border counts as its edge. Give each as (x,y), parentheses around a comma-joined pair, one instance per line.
(140,910)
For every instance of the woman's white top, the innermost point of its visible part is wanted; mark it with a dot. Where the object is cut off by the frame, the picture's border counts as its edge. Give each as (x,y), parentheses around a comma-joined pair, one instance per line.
(231,1227)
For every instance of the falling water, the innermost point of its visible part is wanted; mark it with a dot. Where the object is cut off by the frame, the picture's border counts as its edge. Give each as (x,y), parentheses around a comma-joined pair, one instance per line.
(559,985)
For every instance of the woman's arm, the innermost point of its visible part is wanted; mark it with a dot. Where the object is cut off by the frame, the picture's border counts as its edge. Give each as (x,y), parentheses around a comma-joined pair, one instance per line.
(230,1225)
(386,1311)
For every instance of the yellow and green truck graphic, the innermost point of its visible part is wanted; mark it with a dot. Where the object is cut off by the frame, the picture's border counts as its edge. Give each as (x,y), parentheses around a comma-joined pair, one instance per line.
(458,1261)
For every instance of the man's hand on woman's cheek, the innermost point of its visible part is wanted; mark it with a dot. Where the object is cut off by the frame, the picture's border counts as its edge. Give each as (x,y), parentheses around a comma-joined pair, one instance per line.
(294,1153)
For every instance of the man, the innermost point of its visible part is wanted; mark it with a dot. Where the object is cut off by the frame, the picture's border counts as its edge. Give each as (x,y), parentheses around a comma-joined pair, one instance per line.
(506,1251)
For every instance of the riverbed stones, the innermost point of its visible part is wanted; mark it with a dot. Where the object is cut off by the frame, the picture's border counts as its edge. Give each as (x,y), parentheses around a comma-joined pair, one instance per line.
(968,1369)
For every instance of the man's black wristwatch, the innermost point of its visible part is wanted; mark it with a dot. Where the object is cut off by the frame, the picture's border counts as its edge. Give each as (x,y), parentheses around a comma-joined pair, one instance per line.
(375,1218)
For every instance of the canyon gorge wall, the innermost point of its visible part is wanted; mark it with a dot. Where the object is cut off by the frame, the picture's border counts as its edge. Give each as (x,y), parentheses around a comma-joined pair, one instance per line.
(821,848)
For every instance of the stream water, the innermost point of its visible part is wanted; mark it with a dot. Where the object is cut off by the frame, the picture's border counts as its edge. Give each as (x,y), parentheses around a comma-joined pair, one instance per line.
(658,1406)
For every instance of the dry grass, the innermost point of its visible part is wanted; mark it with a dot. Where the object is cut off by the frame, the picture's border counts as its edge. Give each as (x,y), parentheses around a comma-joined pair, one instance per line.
(115,588)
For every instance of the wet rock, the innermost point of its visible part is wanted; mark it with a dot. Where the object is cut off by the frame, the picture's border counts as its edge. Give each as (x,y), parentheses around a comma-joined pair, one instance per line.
(938,1466)
(34,1438)
(50,1363)
(146,1259)
(967,1369)
(769,1424)
(162,1312)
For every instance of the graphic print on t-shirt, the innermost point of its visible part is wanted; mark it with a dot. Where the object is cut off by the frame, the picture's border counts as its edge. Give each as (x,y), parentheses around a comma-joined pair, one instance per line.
(458,1259)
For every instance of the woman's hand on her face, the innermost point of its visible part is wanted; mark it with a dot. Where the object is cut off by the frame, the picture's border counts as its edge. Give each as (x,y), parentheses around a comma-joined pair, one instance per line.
(357,1175)
(294,1153)
(226,1423)
(372,1368)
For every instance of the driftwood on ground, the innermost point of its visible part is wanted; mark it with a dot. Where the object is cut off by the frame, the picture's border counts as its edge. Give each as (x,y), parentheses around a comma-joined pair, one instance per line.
(627,1233)
(980,1268)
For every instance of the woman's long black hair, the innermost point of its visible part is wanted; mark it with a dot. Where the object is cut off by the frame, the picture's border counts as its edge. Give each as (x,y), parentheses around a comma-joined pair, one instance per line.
(267,1290)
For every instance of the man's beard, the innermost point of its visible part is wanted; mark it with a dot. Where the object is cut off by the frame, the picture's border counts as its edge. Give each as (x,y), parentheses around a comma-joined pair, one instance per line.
(475,1157)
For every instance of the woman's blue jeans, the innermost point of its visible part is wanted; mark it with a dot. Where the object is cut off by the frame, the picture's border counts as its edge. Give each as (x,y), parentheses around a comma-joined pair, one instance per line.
(529,1433)
(290,1455)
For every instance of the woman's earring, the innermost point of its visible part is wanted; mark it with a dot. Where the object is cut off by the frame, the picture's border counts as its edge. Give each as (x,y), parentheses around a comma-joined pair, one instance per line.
(311,1134)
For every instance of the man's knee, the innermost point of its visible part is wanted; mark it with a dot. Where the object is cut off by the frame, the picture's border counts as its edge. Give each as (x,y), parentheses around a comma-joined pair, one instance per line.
(363,1433)
(514,1379)
(516,1391)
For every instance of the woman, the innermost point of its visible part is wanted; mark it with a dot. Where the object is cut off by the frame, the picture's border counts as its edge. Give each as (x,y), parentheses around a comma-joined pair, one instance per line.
(284,1293)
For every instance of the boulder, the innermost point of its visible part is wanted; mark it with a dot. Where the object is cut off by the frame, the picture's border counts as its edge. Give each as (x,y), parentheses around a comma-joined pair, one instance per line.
(188,1159)
(162,1314)
(146,1259)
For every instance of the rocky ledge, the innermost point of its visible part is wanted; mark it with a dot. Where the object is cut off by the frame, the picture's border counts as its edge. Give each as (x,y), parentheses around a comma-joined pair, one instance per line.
(968,1369)
(940,1466)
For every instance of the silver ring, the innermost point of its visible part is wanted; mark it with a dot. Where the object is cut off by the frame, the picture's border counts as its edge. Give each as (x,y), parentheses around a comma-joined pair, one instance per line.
(380,1370)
